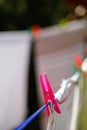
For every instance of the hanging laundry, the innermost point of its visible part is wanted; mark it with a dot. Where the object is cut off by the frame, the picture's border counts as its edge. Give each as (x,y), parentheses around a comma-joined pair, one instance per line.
(14,61)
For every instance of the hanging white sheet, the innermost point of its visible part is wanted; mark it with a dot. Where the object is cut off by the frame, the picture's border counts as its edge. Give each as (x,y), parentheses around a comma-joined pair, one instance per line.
(14,61)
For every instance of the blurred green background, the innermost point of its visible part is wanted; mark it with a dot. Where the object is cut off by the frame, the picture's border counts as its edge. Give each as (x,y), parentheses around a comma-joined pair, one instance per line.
(21,14)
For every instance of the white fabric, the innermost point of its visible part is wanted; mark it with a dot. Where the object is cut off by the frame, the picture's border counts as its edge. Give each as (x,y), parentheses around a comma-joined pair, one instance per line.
(14,59)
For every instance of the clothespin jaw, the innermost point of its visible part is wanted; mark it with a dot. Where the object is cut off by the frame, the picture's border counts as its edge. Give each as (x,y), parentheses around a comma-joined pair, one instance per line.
(49,95)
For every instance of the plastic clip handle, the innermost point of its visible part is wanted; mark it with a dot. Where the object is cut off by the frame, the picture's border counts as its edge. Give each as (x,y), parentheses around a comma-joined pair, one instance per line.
(45,94)
(51,95)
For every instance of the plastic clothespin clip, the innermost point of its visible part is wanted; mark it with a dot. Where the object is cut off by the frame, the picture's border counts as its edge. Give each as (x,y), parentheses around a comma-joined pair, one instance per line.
(49,95)
(36,30)
(45,93)
(78,61)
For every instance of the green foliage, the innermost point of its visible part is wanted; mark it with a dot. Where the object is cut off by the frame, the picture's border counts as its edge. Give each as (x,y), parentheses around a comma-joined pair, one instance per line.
(20,14)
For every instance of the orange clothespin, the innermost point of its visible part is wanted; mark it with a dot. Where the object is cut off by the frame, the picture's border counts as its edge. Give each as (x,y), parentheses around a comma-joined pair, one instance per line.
(36,29)
(78,61)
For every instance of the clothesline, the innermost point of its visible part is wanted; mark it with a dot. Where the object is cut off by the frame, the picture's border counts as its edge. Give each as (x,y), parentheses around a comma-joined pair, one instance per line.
(65,86)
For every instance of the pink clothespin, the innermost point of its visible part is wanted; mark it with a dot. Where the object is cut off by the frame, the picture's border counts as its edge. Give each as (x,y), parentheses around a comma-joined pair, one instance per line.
(49,95)
(45,94)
